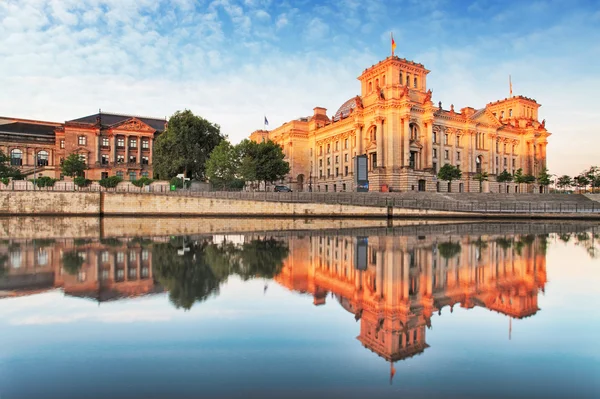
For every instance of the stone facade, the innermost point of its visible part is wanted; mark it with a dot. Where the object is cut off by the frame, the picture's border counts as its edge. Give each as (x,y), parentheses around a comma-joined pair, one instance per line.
(407,137)
(111,144)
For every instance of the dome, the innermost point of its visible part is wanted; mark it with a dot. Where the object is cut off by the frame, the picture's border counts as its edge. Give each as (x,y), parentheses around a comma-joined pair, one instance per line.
(345,109)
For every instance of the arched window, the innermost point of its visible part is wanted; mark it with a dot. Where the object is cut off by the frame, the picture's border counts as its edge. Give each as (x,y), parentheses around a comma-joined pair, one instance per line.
(42,158)
(510,112)
(16,157)
(415,82)
(401,81)
(478,162)
(370,87)
(414,132)
(502,114)
(376,82)
(383,80)
(408,80)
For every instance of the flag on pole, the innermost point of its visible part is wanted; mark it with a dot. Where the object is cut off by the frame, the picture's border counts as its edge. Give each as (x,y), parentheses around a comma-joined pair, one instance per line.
(266,121)
(510,85)
(393,43)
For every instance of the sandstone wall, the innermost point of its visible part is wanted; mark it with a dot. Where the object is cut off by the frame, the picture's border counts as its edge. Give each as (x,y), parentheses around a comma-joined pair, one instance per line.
(49,203)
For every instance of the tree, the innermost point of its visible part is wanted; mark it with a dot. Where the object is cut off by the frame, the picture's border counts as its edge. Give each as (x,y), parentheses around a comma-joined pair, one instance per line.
(72,262)
(593,175)
(73,166)
(270,164)
(581,181)
(448,173)
(481,177)
(6,170)
(504,177)
(185,146)
(543,178)
(449,249)
(222,166)
(564,182)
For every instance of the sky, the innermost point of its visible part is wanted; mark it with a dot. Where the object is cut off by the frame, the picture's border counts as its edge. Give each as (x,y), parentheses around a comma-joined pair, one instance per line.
(235,61)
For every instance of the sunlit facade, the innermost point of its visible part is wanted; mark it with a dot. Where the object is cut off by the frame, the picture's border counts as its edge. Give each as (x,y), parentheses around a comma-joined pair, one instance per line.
(408,137)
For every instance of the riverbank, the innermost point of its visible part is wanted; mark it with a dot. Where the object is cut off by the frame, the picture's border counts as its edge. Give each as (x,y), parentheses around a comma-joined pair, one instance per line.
(298,205)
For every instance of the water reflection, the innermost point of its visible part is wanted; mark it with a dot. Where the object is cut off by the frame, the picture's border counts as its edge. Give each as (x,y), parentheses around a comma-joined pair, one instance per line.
(392,281)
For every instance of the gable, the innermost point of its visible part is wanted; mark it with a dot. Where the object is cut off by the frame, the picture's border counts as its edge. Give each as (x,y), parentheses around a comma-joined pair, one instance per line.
(485,117)
(133,125)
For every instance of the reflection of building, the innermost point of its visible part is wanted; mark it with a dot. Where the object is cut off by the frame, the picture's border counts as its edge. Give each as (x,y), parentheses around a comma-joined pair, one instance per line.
(110,144)
(109,271)
(407,137)
(402,280)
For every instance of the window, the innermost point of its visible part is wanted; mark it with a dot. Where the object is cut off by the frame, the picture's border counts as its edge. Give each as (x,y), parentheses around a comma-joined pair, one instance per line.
(144,254)
(458,141)
(120,257)
(513,163)
(320,162)
(82,140)
(513,148)
(510,112)
(328,148)
(337,172)
(345,170)
(435,168)
(83,157)
(120,158)
(408,80)
(145,174)
(346,144)
(505,162)
(337,159)
(435,137)
(370,90)
(446,154)
(42,158)
(105,159)
(328,172)
(145,161)
(105,142)
(132,143)
(415,82)
(435,152)
(104,257)
(344,189)
(119,174)
(321,150)
(120,142)
(446,139)
(62,144)
(132,159)
(374,161)
(132,256)
(321,173)
(458,156)
(401,78)
(504,147)
(337,145)
(346,157)
(502,114)
(104,175)
(328,161)
(132,175)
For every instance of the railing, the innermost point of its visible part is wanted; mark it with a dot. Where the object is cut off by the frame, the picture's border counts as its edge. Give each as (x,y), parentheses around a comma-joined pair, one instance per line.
(358,199)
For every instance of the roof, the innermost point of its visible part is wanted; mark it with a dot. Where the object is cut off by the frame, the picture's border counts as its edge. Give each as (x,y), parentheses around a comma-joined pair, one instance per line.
(113,119)
(28,128)
(345,109)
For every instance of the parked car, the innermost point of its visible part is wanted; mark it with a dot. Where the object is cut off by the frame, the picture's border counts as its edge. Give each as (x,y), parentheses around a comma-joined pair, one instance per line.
(282,189)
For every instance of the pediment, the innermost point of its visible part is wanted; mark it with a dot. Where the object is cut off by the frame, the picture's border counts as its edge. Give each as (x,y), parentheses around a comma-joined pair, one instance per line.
(485,117)
(133,125)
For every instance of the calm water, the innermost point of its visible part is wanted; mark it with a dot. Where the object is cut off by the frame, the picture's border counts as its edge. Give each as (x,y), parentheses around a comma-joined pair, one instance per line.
(454,311)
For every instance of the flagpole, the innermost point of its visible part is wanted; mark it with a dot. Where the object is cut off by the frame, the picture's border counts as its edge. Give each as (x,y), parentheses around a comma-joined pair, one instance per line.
(510,85)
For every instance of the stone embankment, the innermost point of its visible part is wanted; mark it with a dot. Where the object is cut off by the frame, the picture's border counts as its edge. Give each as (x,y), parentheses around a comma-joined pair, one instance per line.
(299,205)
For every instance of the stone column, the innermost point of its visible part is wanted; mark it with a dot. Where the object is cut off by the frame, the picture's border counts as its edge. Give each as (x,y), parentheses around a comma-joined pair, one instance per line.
(406,140)
(113,148)
(139,150)
(379,275)
(379,139)
(127,148)
(359,139)
(428,147)
(98,143)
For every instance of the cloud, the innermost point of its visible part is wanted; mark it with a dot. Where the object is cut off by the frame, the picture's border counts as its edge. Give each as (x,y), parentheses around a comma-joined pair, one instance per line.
(316,29)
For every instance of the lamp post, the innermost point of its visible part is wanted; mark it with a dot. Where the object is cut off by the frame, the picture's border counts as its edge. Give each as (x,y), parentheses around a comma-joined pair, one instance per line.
(310,181)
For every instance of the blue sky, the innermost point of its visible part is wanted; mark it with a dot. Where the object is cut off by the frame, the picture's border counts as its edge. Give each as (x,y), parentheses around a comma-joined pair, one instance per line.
(232,61)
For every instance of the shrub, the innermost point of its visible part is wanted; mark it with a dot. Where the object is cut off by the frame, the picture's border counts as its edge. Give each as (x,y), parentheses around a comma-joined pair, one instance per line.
(44,181)
(5,180)
(141,182)
(81,181)
(110,182)
(178,183)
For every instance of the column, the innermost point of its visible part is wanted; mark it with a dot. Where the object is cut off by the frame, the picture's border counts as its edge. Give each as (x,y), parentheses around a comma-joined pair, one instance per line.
(127,149)
(139,150)
(406,138)
(359,140)
(428,145)
(379,139)
(379,275)
(114,148)
(98,142)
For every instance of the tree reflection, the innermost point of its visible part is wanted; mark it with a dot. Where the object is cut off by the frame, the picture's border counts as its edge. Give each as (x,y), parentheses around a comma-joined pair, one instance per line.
(194,273)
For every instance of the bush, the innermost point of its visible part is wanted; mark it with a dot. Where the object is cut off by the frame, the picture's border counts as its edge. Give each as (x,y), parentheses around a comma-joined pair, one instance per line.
(110,182)
(5,180)
(81,181)
(141,182)
(44,181)
(178,183)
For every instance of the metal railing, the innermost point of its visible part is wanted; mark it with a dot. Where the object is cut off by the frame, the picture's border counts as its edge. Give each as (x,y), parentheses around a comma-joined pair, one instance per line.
(372,199)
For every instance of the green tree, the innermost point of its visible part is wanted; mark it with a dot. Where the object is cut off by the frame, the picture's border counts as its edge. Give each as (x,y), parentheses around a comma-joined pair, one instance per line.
(504,177)
(222,166)
(449,250)
(448,173)
(6,170)
(247,151)
(262,258)
(185,146)
(270,163)
(564,182)
(543,178)
(72,262)
(593,175)
(73,166)
(481,177)
(581,181)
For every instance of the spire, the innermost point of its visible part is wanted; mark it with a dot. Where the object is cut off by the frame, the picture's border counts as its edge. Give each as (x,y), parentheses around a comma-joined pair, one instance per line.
(510,85)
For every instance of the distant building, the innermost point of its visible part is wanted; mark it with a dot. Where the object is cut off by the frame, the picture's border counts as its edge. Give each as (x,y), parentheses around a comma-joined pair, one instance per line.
(110,144)
(407,137)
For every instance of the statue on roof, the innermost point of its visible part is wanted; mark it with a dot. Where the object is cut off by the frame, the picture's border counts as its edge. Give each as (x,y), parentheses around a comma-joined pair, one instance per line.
(427,96)
(358,102)
(543,124)
(404,92)
(452,108)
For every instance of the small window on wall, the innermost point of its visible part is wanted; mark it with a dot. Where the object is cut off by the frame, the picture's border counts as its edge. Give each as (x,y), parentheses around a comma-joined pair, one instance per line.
(446,139)
(435,152)
(132,175)
(82,140)
(146,145)
(83,157)
(145,161)
(145,174)
(105,142)
(62,144)
(415,83)
(120,158)
(346,157)
(435,137)
(510,112)
(120,142)
(132,143)
(446,154)
(346,144)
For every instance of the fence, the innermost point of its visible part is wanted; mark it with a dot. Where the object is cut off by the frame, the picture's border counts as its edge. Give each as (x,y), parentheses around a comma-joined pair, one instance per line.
(373,199)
